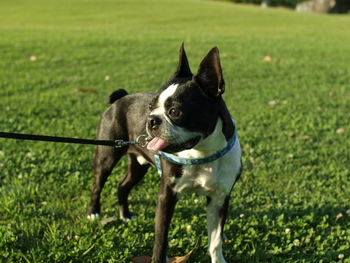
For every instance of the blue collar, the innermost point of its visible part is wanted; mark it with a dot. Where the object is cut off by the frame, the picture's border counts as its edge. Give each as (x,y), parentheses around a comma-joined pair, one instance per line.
(194,161)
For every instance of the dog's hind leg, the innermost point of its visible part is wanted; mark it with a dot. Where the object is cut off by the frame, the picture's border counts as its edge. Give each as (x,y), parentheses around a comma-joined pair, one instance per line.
(134,174)
(105,159)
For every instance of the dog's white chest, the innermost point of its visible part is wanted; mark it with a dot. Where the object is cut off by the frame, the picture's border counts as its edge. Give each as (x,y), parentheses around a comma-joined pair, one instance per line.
(212,178)
(200,179)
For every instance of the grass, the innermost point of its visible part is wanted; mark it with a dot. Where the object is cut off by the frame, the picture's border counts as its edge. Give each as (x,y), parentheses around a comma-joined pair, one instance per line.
(292,202)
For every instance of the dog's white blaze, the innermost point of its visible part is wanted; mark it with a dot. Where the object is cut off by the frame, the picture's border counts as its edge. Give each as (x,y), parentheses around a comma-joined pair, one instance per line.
(173,133)
(160,110)
(168,92)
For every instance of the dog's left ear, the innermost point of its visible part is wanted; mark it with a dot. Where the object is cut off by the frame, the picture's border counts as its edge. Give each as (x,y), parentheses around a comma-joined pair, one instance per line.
(209,75)
(183,69)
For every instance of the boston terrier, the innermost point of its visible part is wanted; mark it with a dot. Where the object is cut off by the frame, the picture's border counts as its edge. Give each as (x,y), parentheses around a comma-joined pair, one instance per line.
(192,139)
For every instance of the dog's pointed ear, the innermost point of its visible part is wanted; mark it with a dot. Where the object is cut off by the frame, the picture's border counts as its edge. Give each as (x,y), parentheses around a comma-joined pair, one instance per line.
(209,75)
(183,69)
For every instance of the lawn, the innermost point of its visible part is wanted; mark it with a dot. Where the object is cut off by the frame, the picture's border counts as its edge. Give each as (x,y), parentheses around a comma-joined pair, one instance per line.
(287,84)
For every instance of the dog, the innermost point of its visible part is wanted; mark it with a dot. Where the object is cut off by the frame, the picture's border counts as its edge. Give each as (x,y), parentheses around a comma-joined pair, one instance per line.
(185,119)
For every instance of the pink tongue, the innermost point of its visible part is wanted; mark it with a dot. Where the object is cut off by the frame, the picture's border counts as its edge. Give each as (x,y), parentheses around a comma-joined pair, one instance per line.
(157,144)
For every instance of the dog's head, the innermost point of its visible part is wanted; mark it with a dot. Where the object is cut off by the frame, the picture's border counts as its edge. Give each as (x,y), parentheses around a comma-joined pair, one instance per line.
(187,107)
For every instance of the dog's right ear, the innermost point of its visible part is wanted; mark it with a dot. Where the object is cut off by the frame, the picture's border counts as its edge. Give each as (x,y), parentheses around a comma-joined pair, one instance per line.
(209,76)
(183,69)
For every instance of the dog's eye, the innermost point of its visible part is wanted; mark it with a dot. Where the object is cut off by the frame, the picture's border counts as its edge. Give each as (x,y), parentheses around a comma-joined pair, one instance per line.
(174,113)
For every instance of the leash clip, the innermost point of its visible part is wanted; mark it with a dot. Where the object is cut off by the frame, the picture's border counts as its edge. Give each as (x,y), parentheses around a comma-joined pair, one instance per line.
(141,140)
(120,143)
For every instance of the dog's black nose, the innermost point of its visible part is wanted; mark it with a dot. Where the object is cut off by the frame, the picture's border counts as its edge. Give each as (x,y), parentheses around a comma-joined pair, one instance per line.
(154,121)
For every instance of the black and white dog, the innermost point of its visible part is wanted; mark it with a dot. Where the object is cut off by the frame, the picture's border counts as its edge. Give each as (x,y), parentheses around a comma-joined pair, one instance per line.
(192,140)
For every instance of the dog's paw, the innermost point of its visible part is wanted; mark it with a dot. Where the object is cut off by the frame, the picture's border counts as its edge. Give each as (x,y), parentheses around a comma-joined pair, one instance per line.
(127,218)
(93,217)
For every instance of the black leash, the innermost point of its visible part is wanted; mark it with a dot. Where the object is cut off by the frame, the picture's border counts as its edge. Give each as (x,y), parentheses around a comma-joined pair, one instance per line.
(141,140)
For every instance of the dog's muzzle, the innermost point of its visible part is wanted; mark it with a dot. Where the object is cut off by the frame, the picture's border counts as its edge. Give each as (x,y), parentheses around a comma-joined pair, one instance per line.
(153,122)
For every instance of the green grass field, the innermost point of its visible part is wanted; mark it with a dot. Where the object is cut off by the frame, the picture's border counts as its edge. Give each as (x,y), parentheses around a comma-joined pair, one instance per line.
(287,84)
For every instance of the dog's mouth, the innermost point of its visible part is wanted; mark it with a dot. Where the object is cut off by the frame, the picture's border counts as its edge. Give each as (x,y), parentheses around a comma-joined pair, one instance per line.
(159,144)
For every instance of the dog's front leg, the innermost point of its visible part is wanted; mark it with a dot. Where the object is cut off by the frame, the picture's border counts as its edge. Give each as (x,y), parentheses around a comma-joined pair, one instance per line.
(216,216)
(165,208)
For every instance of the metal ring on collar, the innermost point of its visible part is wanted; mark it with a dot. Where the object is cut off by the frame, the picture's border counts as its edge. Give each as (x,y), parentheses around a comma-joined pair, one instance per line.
(142,140)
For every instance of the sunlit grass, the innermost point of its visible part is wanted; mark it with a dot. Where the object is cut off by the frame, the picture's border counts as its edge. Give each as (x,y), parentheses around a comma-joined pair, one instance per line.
(292,111)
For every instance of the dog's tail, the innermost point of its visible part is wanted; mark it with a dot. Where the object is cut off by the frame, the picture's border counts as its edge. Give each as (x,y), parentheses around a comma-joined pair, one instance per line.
(116,95)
